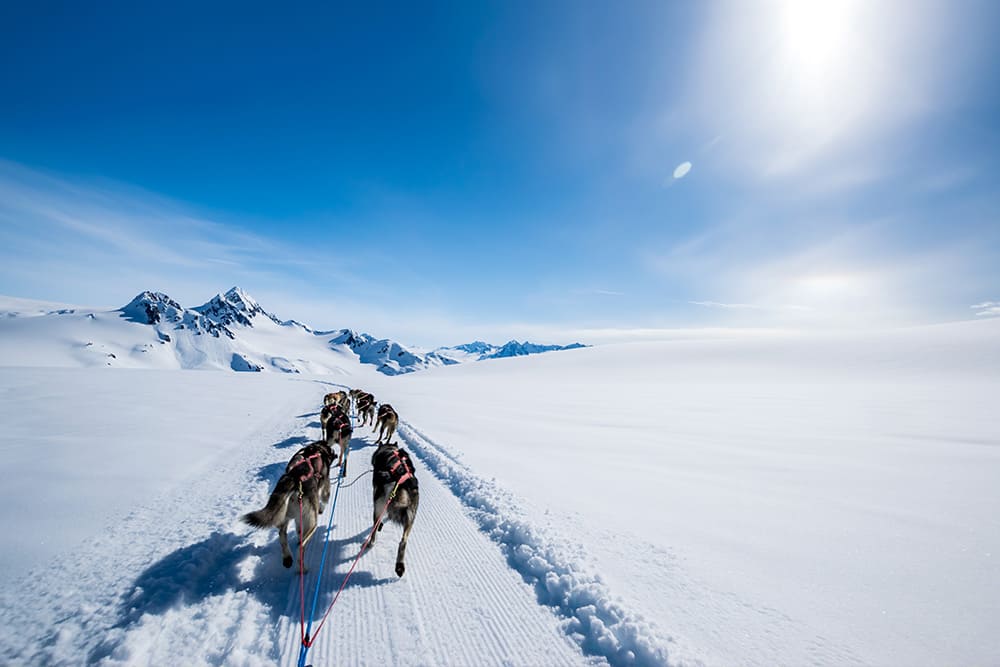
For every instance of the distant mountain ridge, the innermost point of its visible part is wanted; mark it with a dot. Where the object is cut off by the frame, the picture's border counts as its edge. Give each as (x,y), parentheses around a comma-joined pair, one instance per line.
(390,357)
(232,330)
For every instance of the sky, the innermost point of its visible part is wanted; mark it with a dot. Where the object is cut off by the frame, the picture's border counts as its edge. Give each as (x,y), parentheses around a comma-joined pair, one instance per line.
(439,172)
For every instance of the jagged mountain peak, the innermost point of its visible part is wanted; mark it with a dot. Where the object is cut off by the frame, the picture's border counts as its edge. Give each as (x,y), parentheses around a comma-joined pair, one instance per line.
(151,308)
(234,307)
(237,296)
(475,347)
(513,348)
(220,315)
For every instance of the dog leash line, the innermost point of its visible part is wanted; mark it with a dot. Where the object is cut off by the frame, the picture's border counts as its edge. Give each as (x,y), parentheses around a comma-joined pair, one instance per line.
(355,563)
(306,637)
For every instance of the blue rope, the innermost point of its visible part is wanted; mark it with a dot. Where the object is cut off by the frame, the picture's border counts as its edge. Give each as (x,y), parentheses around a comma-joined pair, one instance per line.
(303,649)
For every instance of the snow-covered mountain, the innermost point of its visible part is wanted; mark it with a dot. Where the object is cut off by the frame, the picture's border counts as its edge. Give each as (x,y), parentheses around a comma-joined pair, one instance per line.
(388,356)
(231,331)
(478,350)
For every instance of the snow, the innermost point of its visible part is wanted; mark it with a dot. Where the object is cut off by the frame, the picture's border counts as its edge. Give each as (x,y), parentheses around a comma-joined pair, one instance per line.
(777,499)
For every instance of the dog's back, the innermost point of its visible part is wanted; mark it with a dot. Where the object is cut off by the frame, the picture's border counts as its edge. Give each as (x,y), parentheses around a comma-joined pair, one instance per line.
(386,423)
(392,468)
(308,473)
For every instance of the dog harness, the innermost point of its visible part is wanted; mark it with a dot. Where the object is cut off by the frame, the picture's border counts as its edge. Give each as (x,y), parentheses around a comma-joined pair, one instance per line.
(307,461)
(394,469)
(339,421)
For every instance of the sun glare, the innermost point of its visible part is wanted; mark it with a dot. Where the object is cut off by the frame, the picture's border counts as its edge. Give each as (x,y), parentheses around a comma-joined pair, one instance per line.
(793,81)
(815,35)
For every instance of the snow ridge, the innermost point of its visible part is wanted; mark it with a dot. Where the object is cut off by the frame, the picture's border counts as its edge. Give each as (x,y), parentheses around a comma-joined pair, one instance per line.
(479,350)
(594,619)
(390,357)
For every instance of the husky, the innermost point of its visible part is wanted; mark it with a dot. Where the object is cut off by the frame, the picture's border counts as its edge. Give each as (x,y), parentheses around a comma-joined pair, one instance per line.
(365,405)
(392,466)
(337,430)
(386,423)
(335,398)
(354,393)
(308,473)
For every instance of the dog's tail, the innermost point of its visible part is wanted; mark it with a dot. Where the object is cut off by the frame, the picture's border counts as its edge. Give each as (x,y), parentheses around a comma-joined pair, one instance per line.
(273,514)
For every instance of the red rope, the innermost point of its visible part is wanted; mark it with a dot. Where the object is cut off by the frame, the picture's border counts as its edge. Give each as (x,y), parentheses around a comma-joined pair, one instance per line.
(309,642)
(302,582)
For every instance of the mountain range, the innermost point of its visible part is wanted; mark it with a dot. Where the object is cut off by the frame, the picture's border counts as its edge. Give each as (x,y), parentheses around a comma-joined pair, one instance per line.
(231,331)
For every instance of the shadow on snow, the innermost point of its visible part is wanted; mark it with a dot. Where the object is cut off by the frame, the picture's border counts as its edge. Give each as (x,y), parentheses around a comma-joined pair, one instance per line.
(227,562)
(293,441)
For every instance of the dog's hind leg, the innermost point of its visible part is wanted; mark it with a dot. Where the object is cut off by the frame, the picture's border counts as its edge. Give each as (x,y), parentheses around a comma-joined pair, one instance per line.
(345,449)
(324,492)
(308,526)
(286,553)
(380,501)
(401,552)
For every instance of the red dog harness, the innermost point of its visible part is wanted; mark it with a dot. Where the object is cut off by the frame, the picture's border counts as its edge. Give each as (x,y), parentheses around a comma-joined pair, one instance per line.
(400,463)
(313,472)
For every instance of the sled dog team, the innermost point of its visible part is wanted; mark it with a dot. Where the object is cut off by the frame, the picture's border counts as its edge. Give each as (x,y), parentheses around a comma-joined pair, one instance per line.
(307,475)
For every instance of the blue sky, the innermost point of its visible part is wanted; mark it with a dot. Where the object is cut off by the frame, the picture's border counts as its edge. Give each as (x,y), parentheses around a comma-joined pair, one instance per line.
(442,172)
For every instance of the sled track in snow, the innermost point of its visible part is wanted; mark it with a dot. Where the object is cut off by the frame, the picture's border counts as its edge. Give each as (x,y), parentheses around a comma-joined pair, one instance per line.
(594,620)
(458,604)
(191,585)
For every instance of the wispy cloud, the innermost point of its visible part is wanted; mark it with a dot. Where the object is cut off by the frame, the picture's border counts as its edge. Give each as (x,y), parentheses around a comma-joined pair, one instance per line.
(716,304)
(987,308)
(843,274)
(98,243)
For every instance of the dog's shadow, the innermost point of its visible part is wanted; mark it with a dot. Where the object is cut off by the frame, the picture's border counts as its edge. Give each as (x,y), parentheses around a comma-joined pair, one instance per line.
(358,443)
(219,563)
(271,472)
(295,440)
(225,562)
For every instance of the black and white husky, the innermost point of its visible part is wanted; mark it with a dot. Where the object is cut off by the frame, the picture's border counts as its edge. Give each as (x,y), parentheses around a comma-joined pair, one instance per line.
(307,471)
(391,466)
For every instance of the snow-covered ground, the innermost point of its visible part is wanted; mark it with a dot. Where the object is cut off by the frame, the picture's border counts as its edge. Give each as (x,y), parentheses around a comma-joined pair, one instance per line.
(772,500)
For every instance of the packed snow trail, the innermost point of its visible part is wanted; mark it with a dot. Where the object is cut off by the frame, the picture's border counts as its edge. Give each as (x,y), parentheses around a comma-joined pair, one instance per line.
(188,584)
(458,604)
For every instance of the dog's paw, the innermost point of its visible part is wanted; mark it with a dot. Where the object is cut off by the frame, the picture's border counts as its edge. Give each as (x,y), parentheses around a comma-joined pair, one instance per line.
(287,561)
(400,569)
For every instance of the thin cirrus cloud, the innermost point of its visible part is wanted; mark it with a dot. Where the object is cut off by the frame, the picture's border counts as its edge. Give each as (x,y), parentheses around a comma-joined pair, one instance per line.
(100,243)
(850,276)
(987,308)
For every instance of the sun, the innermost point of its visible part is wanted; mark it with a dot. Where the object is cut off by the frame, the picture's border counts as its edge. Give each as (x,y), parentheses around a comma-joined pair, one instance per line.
(816,37)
